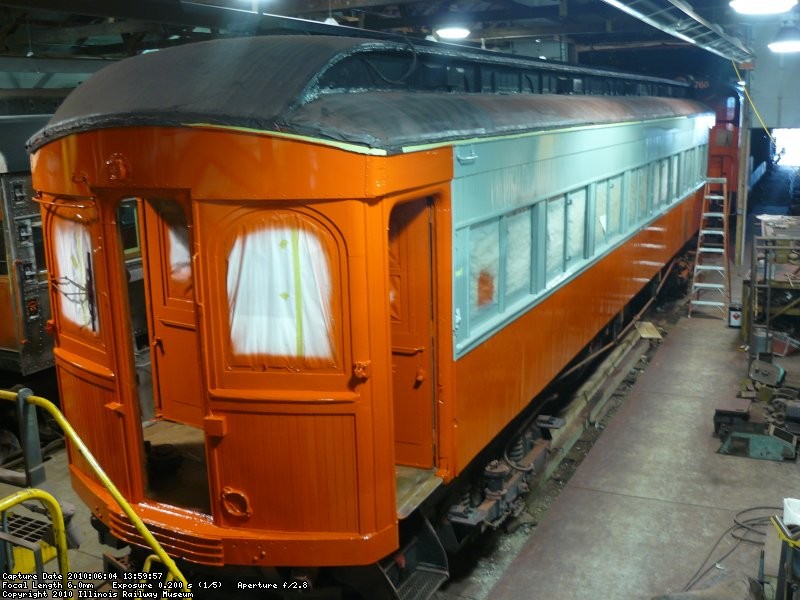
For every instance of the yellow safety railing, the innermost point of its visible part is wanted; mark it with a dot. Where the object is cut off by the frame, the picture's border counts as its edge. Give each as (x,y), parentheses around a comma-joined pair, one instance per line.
(78,444)
(148,564)
(56,516)
(783,532)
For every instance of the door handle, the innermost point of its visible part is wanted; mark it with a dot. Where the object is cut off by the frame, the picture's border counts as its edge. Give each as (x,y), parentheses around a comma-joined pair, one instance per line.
(158,343)
(404,351)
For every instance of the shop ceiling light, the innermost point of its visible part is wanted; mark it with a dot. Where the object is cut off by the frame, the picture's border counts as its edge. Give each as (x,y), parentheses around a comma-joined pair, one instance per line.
(762,7)
(329,20)
(452,33)
(787,40)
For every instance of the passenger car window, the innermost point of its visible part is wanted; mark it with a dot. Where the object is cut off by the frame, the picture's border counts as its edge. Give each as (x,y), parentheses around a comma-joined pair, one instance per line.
(280,292)
(576,226)
(75,274)
(484,269)
(555,237)
(518,253)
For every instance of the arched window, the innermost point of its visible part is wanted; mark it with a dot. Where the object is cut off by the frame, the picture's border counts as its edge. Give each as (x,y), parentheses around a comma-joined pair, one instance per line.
(280,291)
(74,278)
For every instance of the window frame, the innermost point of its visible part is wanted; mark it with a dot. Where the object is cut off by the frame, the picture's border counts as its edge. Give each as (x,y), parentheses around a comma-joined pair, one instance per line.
(228,372)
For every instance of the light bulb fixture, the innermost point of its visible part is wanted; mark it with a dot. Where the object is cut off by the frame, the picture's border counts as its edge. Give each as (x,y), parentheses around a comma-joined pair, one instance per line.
(452,33)
(787,40)
(329,20)
(762,7)
(29,53)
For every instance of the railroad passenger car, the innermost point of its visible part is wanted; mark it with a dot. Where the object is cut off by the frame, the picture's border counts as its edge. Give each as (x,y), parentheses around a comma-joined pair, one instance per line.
(725,138)
(25,347)
(333,270)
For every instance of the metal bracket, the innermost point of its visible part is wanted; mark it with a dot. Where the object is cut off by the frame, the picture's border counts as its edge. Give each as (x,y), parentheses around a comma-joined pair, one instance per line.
(29,439)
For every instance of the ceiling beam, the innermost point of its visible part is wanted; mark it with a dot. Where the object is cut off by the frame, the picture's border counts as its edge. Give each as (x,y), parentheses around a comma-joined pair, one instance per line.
(550,13)
(670,16)
(16,64)
(60,35)
(180,12)
(286,7)
(186,13)
(42,81)
(571,27)
(172,12)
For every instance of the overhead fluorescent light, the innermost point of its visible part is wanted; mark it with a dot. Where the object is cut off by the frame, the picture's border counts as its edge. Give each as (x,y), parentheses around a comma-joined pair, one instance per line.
(787,40)
(762,7)
(452,33)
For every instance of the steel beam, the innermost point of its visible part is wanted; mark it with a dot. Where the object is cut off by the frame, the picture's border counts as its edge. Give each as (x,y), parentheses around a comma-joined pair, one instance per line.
(15,64)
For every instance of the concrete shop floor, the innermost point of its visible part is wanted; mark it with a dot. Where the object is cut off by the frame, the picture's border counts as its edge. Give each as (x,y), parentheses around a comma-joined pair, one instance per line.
(649,501)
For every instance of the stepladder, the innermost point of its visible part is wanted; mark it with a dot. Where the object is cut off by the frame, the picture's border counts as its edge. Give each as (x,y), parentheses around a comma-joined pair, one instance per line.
(711,287)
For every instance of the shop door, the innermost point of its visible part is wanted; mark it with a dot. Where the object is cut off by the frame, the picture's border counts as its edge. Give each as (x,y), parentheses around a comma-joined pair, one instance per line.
(410,301)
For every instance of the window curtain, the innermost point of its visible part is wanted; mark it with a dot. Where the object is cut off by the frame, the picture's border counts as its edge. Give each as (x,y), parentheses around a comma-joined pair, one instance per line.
(180,261)
(73,247)
(280,294)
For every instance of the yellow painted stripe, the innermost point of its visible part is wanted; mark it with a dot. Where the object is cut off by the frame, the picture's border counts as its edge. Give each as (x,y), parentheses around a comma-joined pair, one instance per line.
(298,292)
(355,148)
(527,134)
(359,149)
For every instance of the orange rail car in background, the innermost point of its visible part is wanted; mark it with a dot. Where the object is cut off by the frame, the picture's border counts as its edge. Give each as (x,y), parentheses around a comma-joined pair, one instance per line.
(276,289)
(725,141)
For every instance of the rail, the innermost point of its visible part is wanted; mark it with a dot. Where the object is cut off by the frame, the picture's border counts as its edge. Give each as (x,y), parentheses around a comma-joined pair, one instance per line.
(77,443)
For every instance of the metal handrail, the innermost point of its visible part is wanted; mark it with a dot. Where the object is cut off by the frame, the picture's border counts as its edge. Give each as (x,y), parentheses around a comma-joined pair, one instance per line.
(56,516)
(148,565)
(77,442)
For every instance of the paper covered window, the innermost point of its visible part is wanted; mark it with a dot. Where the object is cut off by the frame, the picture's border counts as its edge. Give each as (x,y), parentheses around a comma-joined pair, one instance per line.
(601,213)
(75,279)
(484,271)
(656,184)
(180,260)
(518,253)
(644,193)
(576,225)
(280,292)
(555,237)
(663,192)
(673,171)
(615,206)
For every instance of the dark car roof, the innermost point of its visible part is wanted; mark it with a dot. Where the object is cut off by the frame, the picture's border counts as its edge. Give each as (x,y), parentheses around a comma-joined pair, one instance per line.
(333,88)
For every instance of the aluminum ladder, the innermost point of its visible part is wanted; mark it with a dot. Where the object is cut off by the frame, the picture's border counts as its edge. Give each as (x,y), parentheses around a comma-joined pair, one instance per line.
(711,286)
